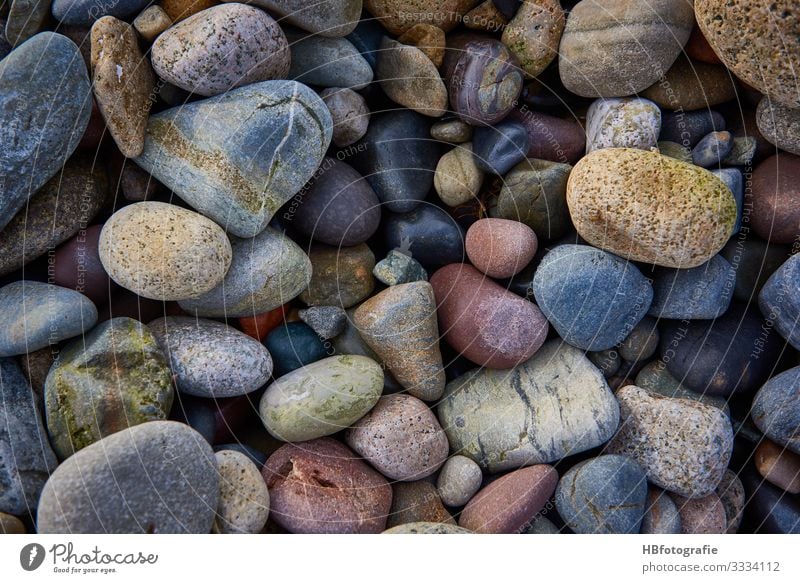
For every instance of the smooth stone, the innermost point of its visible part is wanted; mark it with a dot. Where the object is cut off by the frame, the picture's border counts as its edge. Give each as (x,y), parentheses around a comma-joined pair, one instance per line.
(758,44)
(349,114)
(400,437)
(743,151)
(459,480)
(257,457)
(85,12)
(398,158)
(400,15)
(485,16)
(332,18)
(123,83)
(294,345)
(592,298)
(655,378)
(427,528)
(691,85)
(36,315)
(698,48)
(452,131)
(534,192)
(45,104)
(678,222)
(490,416)
(137,185)
(699,293)
(151,22)
(534,33)
(427,38)
(688,127)
(399,324)
(541,525)
(328,62)
(500,248)
(170,485)
(701,515)
(776,410)
(321,398)
(113,378)
(326,321)
(427,234)
(210,152)
(483,79)
(608,361)
(678,152)
(629,122)
(551,138)
(734,180)
(732,354)
(779,466)
(508,504)
(35,366)
(409,78)
(769,508)
(339,276)
(337,207)
(164,252)
(603,495)
(458,178)
(712,149)
(483,321)
(661,515)
(683,446)
(754,261)
(779,300)
(779,124)
(613,48)
(25,19)
(266,272)
(642,342)
(497,149)
(77,265)
(243,506)
(211,359)
(775,199)
(11,524)
(63,206)
(26,459)
(367,37)
(731,494)
(414,502)
(321,487)
(398,268)
(259,325)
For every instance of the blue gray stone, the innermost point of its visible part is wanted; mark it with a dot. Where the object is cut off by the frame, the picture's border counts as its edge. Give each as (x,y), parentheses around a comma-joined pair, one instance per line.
(36,315)
(712,149)
(603,495)
(427,234)
(732,177)
(239,156)
(661,515)
(700,293)
(779,300)
(326,321)
(776,409)
(592,298)
(85,12)
(293,346)
(497,149)
(688,127)
(367,37)
(397,268)
(328,62)
(45,104)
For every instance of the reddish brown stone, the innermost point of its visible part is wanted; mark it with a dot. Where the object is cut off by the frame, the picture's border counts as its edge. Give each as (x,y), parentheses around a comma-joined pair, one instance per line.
(779,466)
(701,515)
(417,502)
(11,524)
(321,487)
(509,503)
(552,138)
(486,323)
(776,199)
(260,325)
(182,9)
(499,247)
(77,266)
(698,48)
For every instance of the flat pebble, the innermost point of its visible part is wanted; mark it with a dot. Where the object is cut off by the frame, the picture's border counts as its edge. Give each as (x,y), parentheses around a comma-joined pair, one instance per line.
(243,496)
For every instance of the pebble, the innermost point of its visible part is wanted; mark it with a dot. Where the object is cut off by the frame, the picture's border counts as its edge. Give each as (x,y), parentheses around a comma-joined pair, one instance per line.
(255,456)
(689,127)
(628,122)
(321,398)
(398,268)
(113,378)
(45,70)
(164,252)
(326,321)
(691,85)
(26,459)
(779,466)
(202,151)
(608,361)
(534,33)
(151,22)
(661,515)
(731,494)
(769,508)
(484,322)
(211,359)
(699,293)
(734,180)
(37,315)
(757,47)
(701,515)
(485,16)
(259,325)
(595,54)
(414,502)
(85,12)
(25,19)
(337,207)
(712,149)
(655,378)
(779,300)
(328,62)
(458,178)
(341,276)
(775,199)
(266,272)
(458,481)
(400,437)
(679,152)
(534,192)
(779,124)
(754,261)
(681,222)
(592,298)
(552,138)
(179,10)
(333,18)
(243,496)
(349,113)
(123,83)
(103,488)
(776,410)
(399,324)
(743,151)
(294,345)
(400,15)
(427,38)
(490,416)
(321,487)
(508,504)
(409,78)
(427,528)
(500,248)
(642,342)
(683,446)
(603,495)
(452,131)
(11,524)
(497,149)
(427,234)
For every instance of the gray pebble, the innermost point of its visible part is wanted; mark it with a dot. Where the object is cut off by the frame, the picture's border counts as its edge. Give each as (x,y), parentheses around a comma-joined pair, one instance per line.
(327,321)
(459,479)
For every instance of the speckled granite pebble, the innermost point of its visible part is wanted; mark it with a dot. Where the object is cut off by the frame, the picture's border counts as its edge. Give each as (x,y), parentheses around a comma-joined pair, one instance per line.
(243,495)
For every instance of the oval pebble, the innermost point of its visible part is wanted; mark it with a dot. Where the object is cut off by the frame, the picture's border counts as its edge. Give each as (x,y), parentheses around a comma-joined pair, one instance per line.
(500,248)
(458,481)
(776,409)
(243,495)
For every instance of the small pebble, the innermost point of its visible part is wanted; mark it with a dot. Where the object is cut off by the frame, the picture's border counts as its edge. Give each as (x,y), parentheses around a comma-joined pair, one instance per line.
(459,479)
(243,496)
(778,465)
(629,122)
(497,149)
(458,178)
(500,248)
(326,321)
(453,131)
(151,22)
(712,149)
(398,268)
(349,113)
(414,502)
(701,515)
(661,515)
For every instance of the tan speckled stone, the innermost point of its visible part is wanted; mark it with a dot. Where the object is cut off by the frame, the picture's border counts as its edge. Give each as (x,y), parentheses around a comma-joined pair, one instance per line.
(151,22)
(701,515)
(779,124)
(163,252)
(427,38)
(243,495)
(534,33)
(410,78)
(485,16)
(647,207)
(400,15)
(457,179)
